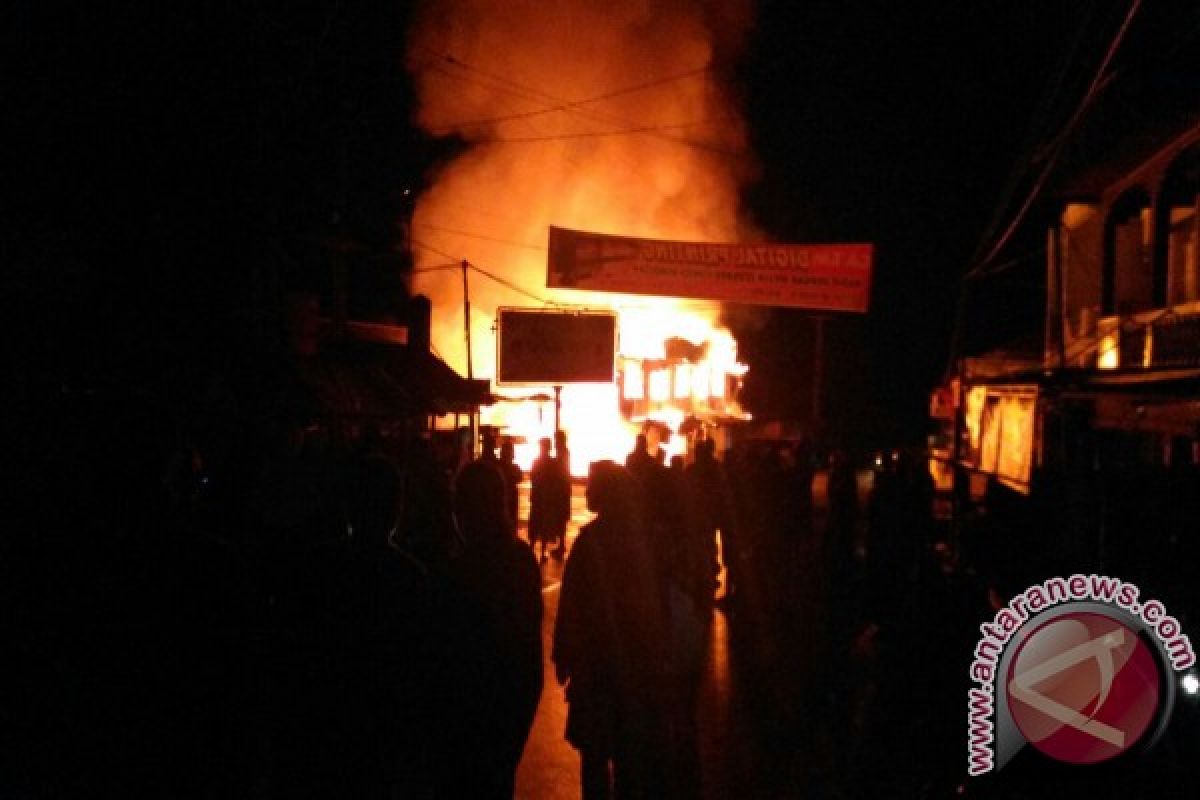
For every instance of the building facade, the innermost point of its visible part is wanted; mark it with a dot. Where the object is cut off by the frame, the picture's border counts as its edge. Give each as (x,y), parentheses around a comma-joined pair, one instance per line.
(1089,456)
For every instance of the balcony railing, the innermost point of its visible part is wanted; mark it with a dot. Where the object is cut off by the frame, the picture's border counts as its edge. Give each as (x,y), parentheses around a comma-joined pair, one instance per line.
(1150,340)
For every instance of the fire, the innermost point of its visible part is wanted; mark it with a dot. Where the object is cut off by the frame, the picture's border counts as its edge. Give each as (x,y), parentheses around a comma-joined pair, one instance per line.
(608,117)
(602,421)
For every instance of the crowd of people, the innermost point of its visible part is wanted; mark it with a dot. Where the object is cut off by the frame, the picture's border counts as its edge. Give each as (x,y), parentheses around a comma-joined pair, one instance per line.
(261,611)
(264,612)
(644,578)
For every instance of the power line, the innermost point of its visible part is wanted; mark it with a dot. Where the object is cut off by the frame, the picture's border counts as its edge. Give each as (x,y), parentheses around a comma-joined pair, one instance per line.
(431,249)
(483,236)
(490,86)
(515,86)
(475,268)
(979,265)
(448,126)
(706,305)
(1093,89)
(1031,153)
(1007,265)
(1157,59)
(554,137)
(436,268)
(525,92)
(508,284)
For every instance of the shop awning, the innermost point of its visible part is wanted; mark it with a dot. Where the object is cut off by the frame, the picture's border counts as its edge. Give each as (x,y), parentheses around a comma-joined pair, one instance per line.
(368,379)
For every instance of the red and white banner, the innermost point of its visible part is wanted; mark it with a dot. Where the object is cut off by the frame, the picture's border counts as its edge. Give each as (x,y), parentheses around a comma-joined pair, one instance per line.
(828,277)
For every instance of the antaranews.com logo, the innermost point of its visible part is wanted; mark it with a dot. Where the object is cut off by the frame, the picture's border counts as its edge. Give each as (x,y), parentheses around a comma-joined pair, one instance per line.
(1080,668)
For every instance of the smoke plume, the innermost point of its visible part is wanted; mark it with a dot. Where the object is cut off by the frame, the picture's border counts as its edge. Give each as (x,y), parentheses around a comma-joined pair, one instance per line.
(601,115)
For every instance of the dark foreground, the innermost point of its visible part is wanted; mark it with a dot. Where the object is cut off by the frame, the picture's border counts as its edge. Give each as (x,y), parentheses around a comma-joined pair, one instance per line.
(845,694)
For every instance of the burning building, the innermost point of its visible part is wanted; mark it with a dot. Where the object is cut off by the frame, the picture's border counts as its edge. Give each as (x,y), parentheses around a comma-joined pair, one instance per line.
(609,117)
(685,388)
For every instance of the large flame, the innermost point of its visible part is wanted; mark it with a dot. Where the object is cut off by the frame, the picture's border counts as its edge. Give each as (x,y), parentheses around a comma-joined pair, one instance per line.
(601,116)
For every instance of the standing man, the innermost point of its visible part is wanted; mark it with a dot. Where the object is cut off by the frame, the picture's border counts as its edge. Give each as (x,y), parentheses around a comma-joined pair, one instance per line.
(710,501)
(611,643)
(548,515)
(512,480)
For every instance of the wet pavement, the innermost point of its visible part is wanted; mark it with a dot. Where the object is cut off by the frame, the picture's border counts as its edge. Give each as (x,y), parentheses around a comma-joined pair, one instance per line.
(550,767)
(817,690)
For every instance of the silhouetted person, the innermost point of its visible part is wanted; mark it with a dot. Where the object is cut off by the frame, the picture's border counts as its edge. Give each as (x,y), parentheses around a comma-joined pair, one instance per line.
(840,545)
(656,433)
(661,514)
(687,572)
(770,548)
(426,528)
(639,456)
(549,501)
(495,644)
(512,480)
(899,530)
(562,453)
(124,626)
(609,645)
(708,495)
(352,652)
(487,446)
(799,513)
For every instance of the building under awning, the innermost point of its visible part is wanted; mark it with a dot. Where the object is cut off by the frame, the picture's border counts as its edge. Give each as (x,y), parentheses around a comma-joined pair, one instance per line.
(360,376)
(354,378)
(1000,432)
(1002,415)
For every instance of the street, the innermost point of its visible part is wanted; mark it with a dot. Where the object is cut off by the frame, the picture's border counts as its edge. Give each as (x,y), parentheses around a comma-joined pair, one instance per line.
(740,749)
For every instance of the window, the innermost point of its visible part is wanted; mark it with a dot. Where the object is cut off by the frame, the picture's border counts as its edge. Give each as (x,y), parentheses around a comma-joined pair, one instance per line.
(1180,213)
(1128,271)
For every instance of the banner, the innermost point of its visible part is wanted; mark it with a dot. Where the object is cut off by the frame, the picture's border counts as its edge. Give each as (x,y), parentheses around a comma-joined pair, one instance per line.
(827,277)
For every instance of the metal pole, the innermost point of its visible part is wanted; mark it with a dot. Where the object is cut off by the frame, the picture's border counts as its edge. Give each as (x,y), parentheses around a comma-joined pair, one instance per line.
(818,372)
(474,415)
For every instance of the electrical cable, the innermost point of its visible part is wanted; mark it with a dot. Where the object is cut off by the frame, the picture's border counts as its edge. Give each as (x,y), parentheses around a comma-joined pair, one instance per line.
(526,92)
(1032,153)
(1007,265)
(440,68)
(514,86)
(431,249)
(508,284)
(979,265)
(475,268)
(483,236)
(437,268)
(449,126)
(700,305)
(1052,159)
(554,137)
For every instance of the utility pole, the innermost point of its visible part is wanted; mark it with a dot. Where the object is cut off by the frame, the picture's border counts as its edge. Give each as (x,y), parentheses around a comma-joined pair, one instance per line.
(470,364)
(467,319)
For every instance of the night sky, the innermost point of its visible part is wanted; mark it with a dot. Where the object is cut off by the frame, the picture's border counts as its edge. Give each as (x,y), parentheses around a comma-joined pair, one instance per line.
(166,149)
